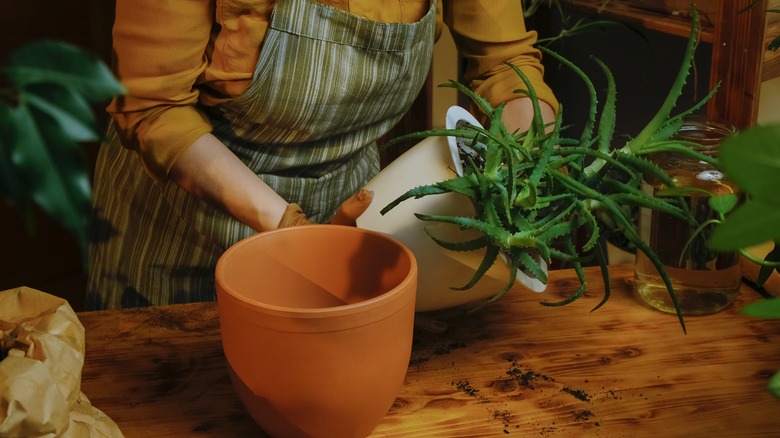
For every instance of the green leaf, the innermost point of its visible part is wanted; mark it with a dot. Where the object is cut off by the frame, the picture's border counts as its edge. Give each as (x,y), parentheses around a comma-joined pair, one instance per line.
(773,46)
(10,184)
(683,191)
(64,64)
(587,133)
(753,223)
(530,265)
(54,83)
(606,127)
(467,245)
(487,261)
(723,203)
(751,160)
(54,169)
(765,308)
(774,385)
(480,102)
(416,192)
(658,121)
(69,109)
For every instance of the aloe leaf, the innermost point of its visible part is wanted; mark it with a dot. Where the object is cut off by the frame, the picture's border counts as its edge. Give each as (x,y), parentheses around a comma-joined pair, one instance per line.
(606,128)
(504,200)
(481,102)
(566,257)
(590,122)
(680,147)
(495,233)
(580,275)
(550,221)
(630,233)
(464,185)
(64,64)
(590,219)
(603,264)
(544,201)
(649,169)
(664,133)
(683,191)
(469,134)
(678,119)
(526,197)
(538,120)
(490,212)
(416,192)
(625,225)
(766,270)
(522,220)
(773,46)
(513,166)
(585,151)
(658,120)
(487,261)
(547,151)
(647,201)
(558,230)
(512,278)
(695,235)
(530,265)
(549,217)
(468,245)
(750,5)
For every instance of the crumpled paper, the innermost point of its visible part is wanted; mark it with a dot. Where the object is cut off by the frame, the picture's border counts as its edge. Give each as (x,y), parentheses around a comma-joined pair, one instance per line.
(41,357)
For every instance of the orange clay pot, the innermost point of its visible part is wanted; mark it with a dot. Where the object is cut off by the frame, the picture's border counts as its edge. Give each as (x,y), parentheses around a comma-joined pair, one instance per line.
(317,327)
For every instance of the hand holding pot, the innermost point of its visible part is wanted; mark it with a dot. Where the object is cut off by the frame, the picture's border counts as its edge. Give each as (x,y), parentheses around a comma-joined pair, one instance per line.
(347,214)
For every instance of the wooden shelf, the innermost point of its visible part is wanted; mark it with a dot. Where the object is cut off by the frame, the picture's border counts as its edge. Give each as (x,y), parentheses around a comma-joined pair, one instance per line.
(738,34)
(673,23)
(771,68)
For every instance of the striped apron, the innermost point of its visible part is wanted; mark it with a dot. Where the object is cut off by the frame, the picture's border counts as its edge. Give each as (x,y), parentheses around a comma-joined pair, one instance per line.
(327,85)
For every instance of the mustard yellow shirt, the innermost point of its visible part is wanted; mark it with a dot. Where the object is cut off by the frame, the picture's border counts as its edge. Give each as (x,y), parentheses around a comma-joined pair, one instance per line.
(174,56)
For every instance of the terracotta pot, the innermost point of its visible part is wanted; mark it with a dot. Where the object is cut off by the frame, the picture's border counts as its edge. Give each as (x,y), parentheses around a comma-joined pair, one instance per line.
(432,160)
(317,327)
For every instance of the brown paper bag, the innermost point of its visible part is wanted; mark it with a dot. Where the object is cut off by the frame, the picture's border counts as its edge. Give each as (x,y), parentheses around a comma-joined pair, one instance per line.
(41,357)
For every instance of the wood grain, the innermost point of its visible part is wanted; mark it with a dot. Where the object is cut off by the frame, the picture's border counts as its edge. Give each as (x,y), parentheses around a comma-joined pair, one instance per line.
(517,368)
(657,19)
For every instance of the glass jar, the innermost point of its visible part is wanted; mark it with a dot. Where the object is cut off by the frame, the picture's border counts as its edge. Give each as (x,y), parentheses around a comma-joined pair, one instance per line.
(704,281)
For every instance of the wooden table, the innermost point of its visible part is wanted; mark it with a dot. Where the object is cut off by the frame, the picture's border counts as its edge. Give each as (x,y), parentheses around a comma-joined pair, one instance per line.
(517,368)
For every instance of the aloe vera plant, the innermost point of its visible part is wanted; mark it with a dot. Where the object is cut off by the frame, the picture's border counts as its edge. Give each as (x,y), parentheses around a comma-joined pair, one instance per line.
(533,190)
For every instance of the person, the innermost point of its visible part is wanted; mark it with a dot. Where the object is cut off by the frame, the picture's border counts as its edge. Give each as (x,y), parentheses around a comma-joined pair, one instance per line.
(242,117)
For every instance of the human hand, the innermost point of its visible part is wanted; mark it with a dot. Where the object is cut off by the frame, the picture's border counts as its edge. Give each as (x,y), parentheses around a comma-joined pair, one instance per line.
(347,213)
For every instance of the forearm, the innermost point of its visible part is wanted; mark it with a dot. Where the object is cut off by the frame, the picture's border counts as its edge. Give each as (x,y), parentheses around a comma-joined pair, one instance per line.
(211,172)
(519,113)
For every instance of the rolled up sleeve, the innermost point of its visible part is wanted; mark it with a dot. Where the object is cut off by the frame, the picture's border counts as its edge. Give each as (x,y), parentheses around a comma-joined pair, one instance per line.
(489,34)
(159,49)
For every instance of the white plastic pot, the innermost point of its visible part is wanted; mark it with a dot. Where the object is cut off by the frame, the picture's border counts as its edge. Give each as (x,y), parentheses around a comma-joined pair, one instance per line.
(432,160)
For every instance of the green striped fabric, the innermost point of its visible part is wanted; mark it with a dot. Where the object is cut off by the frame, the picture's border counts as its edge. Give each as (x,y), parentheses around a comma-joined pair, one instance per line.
(327,85)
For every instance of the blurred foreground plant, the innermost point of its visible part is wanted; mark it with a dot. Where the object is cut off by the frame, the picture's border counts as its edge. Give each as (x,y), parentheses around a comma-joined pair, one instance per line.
(45,112)
(751,159)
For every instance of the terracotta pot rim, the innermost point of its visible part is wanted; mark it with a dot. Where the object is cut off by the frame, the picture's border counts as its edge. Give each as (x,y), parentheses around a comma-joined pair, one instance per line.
(396,293)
